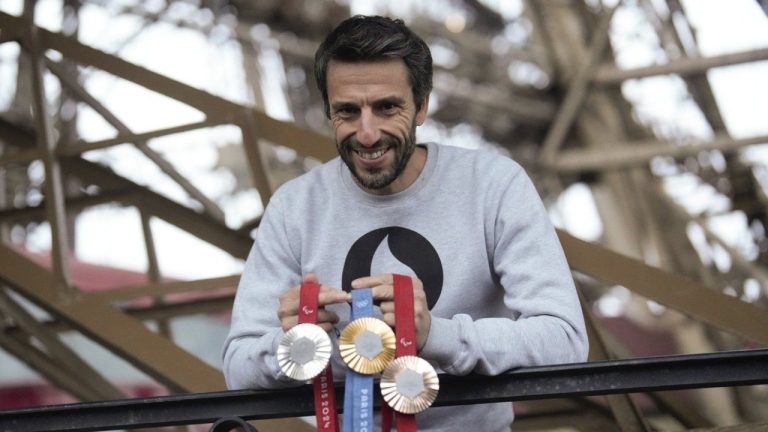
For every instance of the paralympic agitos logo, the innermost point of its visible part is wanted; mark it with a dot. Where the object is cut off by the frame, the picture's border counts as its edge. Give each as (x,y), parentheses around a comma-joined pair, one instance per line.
(409,247)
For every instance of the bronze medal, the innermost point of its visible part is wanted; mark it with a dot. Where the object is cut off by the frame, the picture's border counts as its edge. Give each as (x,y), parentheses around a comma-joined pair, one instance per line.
(367,345)
(409,385)
(304,351)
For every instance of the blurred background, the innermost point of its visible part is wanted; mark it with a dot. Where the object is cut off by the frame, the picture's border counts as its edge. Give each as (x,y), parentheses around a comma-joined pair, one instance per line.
(141,140)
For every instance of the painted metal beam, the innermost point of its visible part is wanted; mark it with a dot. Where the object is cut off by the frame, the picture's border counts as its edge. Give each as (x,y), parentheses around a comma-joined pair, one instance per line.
(165,288)
(53,186)
(80,146)
(677,292)
(236,243)
(610,74)
(146,313)
(78,91)
(306,142)
(55,348)
(16,342)
(632,154)
(128,337)
(201,226)
(36,213)
(734,368)
(577,90)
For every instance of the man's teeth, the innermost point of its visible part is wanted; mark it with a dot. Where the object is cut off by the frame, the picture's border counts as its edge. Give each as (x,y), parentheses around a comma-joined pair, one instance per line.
(372,155)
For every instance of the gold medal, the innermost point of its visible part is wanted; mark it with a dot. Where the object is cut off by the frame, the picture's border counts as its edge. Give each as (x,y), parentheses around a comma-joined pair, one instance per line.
(367,345)
(409,385)
(304,351)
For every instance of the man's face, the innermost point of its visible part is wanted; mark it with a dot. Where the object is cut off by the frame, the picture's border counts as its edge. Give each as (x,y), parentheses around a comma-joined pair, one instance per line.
(374,118)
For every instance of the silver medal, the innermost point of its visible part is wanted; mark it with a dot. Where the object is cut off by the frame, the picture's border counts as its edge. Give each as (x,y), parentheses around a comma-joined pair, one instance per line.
(304,351)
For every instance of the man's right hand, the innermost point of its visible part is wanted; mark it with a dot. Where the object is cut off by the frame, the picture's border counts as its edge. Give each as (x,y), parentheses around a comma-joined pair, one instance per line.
(288,312)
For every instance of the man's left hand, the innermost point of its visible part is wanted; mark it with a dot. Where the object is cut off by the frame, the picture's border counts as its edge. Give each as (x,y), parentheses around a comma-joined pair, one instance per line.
(382,291)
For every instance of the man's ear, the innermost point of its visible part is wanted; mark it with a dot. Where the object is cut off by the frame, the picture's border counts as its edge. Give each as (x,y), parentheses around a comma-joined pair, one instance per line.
(421,114)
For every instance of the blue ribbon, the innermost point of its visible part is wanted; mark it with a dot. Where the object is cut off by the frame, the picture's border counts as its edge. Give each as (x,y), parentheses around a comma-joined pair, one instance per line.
(358,389)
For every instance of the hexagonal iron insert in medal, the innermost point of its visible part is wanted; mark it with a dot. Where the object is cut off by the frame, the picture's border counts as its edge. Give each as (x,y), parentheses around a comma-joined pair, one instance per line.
(302,350)
(368,344)
(409,383)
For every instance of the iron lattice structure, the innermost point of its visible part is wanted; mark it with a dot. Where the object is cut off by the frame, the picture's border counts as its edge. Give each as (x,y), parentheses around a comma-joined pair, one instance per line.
(552,99)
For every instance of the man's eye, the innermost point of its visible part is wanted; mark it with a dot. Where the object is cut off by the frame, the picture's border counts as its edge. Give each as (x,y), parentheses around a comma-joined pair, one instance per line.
(388,107)
(346,112)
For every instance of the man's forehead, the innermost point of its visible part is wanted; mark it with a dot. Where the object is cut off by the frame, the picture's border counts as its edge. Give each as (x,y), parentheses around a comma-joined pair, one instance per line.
(388,77)
(386,65)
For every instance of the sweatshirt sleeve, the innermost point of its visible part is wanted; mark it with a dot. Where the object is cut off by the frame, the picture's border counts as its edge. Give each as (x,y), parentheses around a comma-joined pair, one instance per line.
(249,359)
(544,325)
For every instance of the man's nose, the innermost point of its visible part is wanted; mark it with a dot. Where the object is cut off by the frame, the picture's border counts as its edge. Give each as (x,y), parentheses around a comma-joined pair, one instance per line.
(368,132)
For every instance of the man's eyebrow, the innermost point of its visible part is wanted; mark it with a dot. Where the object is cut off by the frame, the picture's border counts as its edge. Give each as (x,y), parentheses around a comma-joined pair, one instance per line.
(343,104)
(394,100)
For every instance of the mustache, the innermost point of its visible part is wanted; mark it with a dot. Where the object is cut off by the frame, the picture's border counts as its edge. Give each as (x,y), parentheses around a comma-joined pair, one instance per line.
(352,144)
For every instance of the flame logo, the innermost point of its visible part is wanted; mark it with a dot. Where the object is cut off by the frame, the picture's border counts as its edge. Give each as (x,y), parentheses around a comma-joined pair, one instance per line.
(407,247)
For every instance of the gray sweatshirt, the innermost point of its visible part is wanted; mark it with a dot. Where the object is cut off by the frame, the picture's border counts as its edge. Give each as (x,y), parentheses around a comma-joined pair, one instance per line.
(471,227)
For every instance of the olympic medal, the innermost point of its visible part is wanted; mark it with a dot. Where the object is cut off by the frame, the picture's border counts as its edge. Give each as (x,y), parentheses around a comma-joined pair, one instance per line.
(409,385)
(367,345)
(304,351)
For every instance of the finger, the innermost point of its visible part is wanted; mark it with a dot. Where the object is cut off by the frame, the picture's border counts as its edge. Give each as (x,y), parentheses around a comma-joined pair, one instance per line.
(324,316)
(326,326)
(380,285)
(372,281)
(387,307)
(389,318)
(381,289)
(289,322)
(383,293)
(420,307)
(288,307)
(289,300)
(329,295)
(310,278)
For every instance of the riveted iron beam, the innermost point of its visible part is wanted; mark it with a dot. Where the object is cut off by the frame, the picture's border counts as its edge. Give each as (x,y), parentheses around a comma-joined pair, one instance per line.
(721,369)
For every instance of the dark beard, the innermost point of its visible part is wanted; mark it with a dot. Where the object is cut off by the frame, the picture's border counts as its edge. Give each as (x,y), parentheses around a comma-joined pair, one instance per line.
(382,177)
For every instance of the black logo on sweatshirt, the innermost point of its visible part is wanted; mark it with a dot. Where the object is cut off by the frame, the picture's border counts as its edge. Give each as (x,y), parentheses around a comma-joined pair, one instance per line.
(409,247)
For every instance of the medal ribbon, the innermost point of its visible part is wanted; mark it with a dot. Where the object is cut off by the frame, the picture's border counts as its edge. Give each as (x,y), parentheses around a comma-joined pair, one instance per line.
(405,332)
(325,400)
(358,392)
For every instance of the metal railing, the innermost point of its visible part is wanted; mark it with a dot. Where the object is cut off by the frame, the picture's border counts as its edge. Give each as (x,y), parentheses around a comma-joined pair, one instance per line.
(650,374)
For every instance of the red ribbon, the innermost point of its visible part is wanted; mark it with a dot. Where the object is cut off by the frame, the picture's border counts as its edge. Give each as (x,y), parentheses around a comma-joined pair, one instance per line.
(325,399)
(405,323)
(405,332)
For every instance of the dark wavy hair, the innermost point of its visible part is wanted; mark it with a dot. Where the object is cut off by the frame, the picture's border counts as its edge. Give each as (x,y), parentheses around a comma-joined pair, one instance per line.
(370,38)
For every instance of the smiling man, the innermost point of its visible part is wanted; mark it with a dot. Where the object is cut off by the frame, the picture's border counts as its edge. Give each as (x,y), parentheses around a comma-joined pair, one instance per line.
(374,117)
(492,290)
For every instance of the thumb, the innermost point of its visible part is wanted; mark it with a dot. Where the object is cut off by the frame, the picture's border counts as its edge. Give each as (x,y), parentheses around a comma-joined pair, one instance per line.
(311,278)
